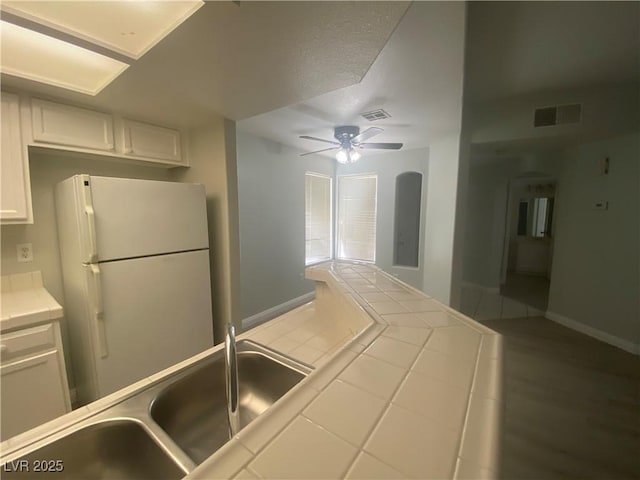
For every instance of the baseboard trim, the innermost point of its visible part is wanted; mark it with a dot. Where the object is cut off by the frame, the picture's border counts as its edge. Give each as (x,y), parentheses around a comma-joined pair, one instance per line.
(261,317)
(477,286)
(625,345)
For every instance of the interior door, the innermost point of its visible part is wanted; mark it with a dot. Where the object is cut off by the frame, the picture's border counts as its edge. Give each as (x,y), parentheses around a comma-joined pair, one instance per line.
(156,311)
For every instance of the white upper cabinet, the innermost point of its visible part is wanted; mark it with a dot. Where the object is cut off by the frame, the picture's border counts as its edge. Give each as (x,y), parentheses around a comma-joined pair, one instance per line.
(150,141)
(59,124)
(15,202)
(61,127)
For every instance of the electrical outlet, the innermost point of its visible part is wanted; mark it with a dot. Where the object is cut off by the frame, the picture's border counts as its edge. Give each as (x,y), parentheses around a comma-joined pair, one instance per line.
(25,252)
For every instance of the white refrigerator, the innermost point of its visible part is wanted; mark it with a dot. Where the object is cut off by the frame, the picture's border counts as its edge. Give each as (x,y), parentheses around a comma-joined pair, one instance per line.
(135,264)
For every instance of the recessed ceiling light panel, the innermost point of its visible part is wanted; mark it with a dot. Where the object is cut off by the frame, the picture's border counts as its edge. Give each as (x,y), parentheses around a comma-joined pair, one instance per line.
(130,28)
(34,56)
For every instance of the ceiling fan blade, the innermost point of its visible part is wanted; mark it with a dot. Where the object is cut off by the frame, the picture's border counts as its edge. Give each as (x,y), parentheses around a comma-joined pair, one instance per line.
(319,151)
(367,134)
(382,146)
(307,137)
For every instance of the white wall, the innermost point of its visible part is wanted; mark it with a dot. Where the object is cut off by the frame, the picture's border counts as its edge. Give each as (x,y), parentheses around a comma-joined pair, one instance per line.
(271,200)
(442,191)
(594,277)
(387,166)
(46,171)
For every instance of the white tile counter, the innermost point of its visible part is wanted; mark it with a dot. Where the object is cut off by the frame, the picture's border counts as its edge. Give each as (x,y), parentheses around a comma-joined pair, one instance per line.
(404,387)
(24,301)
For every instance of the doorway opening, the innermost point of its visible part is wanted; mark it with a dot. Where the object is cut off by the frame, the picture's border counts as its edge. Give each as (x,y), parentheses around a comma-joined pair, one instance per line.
(528,245)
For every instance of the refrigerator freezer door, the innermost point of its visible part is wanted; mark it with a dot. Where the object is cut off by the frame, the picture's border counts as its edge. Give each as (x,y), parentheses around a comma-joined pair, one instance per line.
(156,312)
(135,218)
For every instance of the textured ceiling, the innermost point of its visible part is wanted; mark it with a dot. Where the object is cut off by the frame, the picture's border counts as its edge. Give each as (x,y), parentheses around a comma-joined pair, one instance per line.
(300,68)
(417,79)
(240,59)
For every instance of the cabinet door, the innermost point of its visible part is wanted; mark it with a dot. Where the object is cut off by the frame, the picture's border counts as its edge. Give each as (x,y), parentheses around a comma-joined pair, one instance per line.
(31,393)
(150,141)
(58,124)
(15,206)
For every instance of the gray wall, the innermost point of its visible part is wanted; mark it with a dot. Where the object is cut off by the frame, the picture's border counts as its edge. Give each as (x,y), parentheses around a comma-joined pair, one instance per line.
(212,160)
(272,230)
(487,210)
(594,276)
(387,166)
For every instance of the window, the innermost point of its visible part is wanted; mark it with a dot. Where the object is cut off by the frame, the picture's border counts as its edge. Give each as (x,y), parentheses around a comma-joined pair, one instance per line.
(357,197)
(317,215)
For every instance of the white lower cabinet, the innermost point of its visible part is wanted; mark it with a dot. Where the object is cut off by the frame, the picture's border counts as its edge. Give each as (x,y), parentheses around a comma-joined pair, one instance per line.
(33,379)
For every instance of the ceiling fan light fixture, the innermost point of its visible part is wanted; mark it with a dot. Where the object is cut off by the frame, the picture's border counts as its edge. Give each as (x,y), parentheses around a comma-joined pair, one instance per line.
(347,155)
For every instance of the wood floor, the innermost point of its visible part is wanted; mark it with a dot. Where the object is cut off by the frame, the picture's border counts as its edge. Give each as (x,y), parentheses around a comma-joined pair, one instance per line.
(572,404)
(529,289)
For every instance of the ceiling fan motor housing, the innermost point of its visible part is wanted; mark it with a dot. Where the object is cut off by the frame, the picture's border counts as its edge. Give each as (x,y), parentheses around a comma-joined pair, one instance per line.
(345,134)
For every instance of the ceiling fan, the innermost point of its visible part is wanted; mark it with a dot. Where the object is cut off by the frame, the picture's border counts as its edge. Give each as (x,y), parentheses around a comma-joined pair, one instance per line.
(349,139)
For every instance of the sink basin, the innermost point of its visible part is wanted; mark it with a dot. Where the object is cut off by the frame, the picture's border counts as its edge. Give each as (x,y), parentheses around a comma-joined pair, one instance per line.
(192,409)
(118,449)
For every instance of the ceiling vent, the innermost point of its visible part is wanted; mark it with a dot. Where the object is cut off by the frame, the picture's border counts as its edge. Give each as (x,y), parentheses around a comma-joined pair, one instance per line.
(557,115)
(375,115)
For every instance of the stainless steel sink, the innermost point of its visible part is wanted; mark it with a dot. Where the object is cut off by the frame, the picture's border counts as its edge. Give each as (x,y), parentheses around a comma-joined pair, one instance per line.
(192,410)
(165,429)
(119,449)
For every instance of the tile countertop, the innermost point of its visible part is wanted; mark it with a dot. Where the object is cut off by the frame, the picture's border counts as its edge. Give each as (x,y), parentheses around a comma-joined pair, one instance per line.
(404,387)
(24,302)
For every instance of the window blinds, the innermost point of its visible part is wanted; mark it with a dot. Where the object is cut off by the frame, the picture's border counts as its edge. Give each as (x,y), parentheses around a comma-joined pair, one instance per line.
(357,196)
(317,218)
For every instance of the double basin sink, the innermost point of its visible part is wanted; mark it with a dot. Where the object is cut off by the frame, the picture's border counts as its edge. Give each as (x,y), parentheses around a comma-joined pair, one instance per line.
(165,430)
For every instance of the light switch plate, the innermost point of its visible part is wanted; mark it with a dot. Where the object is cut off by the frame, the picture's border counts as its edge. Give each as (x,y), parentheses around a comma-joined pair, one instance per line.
(25,252)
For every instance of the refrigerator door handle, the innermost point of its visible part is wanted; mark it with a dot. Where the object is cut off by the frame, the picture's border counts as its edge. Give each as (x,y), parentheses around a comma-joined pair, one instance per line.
(90,226)
(98,312)
(91,233)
